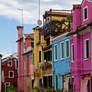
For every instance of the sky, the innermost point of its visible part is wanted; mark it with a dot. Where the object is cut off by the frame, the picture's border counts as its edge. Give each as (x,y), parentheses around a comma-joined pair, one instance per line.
(11,16)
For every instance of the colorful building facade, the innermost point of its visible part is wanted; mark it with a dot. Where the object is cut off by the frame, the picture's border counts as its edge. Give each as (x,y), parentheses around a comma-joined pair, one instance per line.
(29,67)
(9,72)
(43,46)
(81,47)
(61,61)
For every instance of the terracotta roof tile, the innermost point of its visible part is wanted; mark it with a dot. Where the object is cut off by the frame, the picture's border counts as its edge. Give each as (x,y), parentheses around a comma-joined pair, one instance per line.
(55,13)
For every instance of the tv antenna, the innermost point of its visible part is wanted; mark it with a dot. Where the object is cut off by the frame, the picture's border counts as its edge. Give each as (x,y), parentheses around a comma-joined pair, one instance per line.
(39,22)
(20,9)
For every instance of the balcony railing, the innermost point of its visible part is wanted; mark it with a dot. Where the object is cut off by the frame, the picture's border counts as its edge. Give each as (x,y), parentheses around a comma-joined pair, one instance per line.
(46,66)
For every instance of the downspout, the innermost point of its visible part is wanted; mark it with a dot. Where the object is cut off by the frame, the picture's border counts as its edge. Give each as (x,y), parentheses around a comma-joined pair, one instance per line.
(91,61)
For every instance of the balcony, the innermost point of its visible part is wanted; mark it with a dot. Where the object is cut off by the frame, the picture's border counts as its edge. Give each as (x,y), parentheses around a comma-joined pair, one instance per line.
(56,27)
(46,66)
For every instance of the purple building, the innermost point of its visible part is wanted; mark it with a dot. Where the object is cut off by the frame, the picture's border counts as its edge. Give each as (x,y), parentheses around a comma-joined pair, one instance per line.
(81,43)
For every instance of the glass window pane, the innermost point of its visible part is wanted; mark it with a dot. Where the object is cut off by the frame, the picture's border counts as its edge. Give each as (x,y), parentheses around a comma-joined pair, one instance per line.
(85,13)
(72,52)
(87,49)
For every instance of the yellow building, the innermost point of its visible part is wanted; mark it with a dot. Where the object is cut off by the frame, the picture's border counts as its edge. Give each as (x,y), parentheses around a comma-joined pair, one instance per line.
(54,23)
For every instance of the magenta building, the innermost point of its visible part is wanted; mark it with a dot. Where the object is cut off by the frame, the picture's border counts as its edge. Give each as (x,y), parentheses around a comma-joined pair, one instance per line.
(81,47)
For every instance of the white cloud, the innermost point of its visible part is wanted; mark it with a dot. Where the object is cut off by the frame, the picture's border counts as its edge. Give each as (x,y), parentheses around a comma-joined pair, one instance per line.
(9,8)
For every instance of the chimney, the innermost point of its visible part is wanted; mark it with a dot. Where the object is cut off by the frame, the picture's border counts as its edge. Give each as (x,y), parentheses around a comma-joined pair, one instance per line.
(20,31)
(76,16)
(20,59)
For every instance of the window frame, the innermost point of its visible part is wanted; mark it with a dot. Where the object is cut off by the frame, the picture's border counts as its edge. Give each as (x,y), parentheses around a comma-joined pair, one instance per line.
(85,53)
(86,7)
(54,52)
(5,85)
(66,48)
(13,74)
(61,50)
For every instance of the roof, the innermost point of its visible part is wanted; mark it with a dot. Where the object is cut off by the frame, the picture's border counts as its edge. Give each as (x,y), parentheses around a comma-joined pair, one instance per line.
(31,36)
(56,13)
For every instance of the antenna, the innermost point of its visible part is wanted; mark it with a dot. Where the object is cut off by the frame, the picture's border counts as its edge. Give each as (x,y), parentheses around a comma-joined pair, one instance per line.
(20,9)
(39,22)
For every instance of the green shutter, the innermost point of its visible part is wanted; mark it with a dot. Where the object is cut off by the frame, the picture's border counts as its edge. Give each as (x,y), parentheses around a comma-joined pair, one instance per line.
(56,82)
(56,52)
(62,50)
(67,48)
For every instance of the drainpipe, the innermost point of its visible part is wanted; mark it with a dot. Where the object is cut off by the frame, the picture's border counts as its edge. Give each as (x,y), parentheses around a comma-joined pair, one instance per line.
(0,71)
(91,61)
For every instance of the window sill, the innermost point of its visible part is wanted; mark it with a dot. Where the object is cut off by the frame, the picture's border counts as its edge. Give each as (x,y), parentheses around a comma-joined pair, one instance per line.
(86,59)
(62,58)
(72,61)
(68,57)
(85,19)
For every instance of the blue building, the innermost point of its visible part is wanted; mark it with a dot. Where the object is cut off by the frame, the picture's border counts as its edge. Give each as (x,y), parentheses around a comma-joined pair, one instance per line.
(61,61)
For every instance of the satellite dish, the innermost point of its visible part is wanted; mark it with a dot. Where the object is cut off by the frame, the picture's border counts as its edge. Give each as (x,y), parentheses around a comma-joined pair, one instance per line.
(39,22)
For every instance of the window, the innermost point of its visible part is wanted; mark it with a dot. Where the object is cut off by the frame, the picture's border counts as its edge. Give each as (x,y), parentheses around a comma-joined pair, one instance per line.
(39,56)
(72,52)
(86,49)
(10,63)
(56,83)
(32,43)
(11,74)
(48,55)
(55,48)
(7,85)
(50,81)
(62,50)
(88,86)
(67,48)
(85,13)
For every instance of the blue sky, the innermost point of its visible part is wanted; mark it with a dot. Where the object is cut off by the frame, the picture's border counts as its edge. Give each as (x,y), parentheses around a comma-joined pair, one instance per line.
(10,17)
(8,34)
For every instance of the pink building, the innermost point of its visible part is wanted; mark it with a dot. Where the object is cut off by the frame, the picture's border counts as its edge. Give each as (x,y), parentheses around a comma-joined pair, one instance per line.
(20,59)
(29,67)
(81,43)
